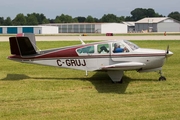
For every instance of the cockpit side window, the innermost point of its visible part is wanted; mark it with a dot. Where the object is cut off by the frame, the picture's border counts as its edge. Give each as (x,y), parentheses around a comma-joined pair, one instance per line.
(118,47)
(86,50)
(103,48)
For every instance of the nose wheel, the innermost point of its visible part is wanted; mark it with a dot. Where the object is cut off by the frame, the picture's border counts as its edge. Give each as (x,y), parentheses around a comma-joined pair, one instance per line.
(161,78)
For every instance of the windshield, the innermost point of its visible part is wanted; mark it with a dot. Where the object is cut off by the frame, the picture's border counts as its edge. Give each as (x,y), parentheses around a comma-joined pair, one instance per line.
(131,45)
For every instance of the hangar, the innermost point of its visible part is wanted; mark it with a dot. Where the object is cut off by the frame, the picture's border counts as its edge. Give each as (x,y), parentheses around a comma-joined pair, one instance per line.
(130,25)
(102,28)
(29,29)
(157,24)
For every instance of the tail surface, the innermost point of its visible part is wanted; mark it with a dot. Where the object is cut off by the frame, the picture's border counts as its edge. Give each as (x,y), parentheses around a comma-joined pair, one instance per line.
(22,45)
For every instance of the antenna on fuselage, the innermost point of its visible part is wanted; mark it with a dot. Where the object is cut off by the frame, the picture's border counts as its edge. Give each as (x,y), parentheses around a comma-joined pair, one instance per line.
(82,42)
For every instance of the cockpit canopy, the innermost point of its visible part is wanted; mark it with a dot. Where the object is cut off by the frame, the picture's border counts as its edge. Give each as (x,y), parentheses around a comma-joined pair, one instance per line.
(109,47)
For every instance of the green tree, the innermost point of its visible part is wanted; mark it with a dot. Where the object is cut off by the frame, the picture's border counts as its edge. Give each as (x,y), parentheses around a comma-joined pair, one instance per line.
(109,18)
(96,20)
(31,19)
(140,13)
(45,21)
(64,19)
(1,20)
(122,18)
(8,21)
(75,20)
(19,19)
(40,17)
(129,18)
(89,19)
(150,12)
(57,20)
(51,20)
(175,15)
(81,19)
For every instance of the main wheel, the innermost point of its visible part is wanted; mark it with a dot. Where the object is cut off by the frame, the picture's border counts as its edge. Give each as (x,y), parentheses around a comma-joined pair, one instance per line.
(162,78)
(121,81)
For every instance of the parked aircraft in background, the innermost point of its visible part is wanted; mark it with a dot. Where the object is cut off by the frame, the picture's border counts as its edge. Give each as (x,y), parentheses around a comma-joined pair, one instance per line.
(113,56)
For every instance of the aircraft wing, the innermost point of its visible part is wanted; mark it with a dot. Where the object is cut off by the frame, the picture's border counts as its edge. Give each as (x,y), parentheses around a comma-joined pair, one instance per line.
(124,66)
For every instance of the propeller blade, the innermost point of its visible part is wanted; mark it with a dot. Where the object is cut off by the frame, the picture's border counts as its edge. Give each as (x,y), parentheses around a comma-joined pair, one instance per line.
(167,52)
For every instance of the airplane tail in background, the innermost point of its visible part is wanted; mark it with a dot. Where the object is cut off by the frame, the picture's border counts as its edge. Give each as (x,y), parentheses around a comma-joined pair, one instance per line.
(23,44)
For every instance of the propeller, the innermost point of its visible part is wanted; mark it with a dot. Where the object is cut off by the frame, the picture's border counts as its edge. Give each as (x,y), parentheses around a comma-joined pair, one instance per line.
(168,53)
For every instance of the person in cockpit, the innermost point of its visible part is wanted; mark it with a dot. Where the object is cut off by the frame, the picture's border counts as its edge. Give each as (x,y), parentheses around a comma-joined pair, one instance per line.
(117,48)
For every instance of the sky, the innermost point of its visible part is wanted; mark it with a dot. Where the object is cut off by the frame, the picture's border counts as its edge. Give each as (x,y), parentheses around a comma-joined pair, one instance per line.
(75,8)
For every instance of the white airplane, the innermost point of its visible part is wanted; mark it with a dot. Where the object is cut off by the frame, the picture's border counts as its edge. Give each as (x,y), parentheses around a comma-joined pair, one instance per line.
(113,56)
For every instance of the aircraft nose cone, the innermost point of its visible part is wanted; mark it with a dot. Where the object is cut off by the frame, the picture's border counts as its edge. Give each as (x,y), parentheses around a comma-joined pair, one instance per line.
(169,54)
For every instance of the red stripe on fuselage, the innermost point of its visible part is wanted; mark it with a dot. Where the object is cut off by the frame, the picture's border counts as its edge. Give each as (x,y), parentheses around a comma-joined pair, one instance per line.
(60,53)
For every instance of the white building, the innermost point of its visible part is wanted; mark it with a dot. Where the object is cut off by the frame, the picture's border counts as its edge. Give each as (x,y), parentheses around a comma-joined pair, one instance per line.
(158,24)
(131,26)
(102,28)
(113,28)
(29,29)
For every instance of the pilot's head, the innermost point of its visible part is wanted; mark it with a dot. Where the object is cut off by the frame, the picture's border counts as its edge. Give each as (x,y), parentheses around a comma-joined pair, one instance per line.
(115,45)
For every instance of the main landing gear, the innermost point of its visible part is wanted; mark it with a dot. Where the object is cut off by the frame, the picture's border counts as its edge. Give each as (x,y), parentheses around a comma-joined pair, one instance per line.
(161,78)
(116,76)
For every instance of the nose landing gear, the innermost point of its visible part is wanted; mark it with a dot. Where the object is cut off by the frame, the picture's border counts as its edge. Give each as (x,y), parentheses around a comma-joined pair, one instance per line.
(161,78)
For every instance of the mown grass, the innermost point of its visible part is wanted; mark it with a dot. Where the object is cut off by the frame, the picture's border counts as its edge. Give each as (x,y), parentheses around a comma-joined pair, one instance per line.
(42,92)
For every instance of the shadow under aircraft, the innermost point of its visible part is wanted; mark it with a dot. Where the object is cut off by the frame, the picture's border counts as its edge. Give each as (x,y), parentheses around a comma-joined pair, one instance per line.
(100,80)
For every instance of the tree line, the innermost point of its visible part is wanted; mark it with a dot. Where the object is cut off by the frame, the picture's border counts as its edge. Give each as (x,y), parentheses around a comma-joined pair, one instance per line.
(37,18)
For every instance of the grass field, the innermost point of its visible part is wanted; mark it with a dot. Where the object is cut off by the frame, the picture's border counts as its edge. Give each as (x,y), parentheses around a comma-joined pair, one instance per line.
(41,92)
